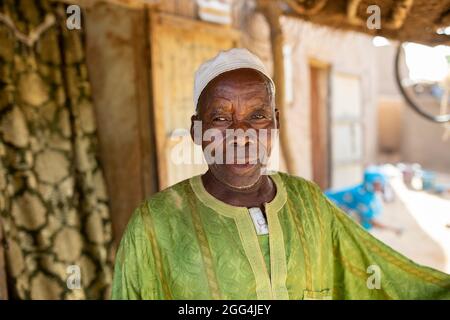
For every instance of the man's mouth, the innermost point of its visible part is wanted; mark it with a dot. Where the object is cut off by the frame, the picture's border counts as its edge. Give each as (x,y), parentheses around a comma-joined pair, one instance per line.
(241,169)
(240,157)
(245,158)
(243,164)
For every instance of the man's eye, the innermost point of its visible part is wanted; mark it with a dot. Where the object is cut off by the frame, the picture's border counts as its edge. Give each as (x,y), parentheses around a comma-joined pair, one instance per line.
(220,119)
(258,116)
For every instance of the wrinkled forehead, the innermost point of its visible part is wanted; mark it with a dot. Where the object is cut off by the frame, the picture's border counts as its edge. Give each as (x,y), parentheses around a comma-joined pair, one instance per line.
(242,83)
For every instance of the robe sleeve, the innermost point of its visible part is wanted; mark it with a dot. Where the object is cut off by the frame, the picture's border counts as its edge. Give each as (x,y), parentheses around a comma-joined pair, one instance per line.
(366,268)
(134,271)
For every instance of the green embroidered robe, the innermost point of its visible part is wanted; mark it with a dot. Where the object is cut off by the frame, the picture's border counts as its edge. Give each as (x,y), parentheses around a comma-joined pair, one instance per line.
(183,243)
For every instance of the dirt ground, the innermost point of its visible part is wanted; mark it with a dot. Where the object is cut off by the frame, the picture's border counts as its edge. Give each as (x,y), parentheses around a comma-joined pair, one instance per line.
(424,218)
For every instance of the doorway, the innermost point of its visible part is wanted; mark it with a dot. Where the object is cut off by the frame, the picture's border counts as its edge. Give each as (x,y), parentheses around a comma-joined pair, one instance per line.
(319,121)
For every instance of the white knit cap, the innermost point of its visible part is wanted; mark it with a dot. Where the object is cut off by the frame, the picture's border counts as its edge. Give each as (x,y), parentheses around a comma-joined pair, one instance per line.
(224,61)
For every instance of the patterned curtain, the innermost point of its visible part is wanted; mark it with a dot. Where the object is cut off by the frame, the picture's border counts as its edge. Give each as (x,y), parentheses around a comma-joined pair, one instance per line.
(53,203)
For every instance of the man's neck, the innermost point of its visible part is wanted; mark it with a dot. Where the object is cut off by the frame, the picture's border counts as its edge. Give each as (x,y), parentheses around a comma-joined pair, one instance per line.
(261,192)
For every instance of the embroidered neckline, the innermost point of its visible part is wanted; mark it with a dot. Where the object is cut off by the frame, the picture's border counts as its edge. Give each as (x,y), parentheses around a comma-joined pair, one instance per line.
(232,211)
(268,286)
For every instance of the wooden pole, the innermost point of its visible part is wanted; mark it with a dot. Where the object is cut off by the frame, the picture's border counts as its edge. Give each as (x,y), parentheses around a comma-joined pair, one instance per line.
(272,13)
(3,284)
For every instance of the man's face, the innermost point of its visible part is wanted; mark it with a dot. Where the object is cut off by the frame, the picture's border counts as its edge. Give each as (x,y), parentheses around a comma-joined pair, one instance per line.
(237,106)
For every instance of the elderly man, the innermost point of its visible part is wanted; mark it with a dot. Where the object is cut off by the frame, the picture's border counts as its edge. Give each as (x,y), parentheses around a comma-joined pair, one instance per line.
(237,232)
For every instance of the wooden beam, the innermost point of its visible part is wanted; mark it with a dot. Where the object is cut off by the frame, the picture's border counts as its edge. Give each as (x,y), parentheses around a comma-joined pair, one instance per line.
(135,4)
(301,9)
(145,107)
(273,13)
(400,11)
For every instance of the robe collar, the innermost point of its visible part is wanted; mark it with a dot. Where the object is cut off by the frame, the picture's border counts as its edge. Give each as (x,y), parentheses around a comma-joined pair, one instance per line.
(233,211)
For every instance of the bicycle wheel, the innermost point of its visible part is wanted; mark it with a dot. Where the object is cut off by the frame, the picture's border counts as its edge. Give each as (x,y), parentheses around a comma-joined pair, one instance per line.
(428,97)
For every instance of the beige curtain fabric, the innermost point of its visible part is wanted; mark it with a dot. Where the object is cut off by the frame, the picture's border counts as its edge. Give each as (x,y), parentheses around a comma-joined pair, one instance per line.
(53,203)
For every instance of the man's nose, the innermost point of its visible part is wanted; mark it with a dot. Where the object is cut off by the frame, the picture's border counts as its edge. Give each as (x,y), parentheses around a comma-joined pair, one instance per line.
(241,134)
(241,140)
(240,124)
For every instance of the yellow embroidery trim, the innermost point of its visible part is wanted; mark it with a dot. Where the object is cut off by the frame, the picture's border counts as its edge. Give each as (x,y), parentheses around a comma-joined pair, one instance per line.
(254,255)
(155,248)
(301,234)
(357,272)
(278,265)
(322,251)
(206,255)
(266,287)
(396,262)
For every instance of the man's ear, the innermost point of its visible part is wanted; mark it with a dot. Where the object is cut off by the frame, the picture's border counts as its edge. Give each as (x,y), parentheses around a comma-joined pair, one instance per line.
(195,118)
(277,118)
